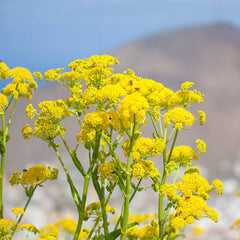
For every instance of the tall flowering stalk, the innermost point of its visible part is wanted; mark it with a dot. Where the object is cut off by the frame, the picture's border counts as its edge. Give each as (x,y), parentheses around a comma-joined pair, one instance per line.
(111,111)
(22,86)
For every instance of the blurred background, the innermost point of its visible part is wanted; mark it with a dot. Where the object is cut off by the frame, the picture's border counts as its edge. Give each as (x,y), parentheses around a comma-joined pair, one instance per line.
(168,41)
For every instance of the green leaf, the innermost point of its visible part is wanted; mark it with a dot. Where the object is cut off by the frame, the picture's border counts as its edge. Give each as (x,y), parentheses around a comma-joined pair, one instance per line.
(96,183)
(122,185)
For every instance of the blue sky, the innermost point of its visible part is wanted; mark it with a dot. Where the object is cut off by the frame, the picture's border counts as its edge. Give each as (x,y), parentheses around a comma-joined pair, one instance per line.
(44,34)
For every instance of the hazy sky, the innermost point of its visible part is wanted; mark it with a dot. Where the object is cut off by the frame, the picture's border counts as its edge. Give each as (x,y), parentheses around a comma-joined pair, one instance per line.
(43,34)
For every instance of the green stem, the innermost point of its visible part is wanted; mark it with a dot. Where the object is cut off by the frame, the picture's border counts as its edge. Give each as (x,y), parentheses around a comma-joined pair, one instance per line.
(173,143)
(73,155)
(103,207)
(82,208)
(161,217)
(128,186)
(3,141)
(3,148)
(25,207)
(11,116)
(154,124)
(75,195)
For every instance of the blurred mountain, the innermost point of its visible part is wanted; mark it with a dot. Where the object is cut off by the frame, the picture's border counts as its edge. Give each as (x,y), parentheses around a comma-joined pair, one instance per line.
(210,57)
(206,55)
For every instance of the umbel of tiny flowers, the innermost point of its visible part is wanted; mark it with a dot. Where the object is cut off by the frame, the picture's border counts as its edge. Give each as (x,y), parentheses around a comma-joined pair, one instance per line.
(22,86)
(30,179)
(111,110)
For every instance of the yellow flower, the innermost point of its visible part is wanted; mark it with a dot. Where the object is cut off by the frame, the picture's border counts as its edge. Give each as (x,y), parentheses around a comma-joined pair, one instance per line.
(52,74)
(96,120)
(7,227)
(171,167)
(198,230)
(177,223)
(31,111)
(201,146)
(168,190)
(218,186)
(38,75)
(133,104)
(70,78)
(183,155)
(107,171)
(193,183)
(54,109)
(164,98)
(94,209)
(143,169)
(15,178)
(187,96)
(133,217)
(27,132)
(202,117)
(148,232)
(49,230)
(144,147)
(3,102)
(38,174)
(22,85)
(187,85)
(4,71)
(178,117)
(111,93)
(88,97)
(67,224)
(17,211)
(30,228)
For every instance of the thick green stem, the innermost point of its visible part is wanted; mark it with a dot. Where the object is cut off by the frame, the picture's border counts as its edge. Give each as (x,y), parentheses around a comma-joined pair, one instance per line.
(3,141)
(3,148)
(82,208)
(103,207)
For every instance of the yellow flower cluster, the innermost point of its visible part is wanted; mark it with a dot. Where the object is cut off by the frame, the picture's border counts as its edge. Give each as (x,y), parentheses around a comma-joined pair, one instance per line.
(17,211)
(183,155)
(144,147)
(53,231)
(107,171)
(133,217)
(146,232)
(179,117)
(190,195)
(49,230)
(144,169)
(7,227)
(47,125)
(202,117)
(133,106)
(188,96)
(4,71)
(52,74)
(94,209)
(22,85)
(29,227)
(34,175)
(3,102)
(67,224)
